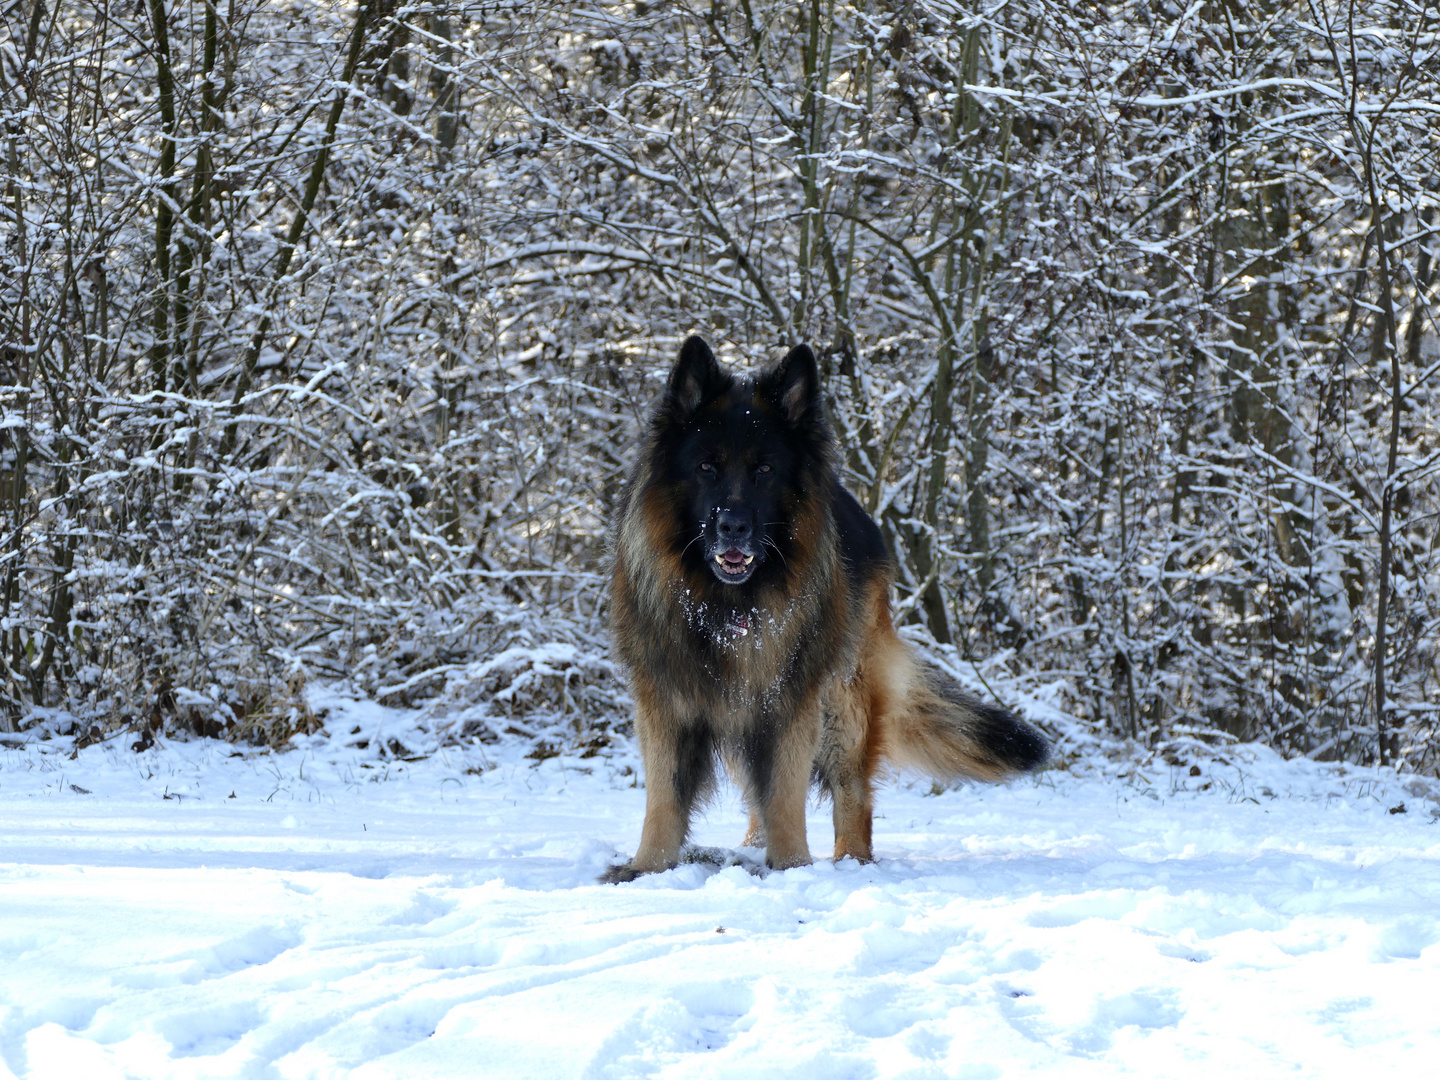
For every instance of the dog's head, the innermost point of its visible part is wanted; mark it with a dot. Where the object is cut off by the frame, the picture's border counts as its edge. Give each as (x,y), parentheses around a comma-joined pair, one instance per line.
(742,453)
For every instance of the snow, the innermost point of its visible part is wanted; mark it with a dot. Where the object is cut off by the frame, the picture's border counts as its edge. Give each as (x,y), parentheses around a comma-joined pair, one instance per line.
(348,915)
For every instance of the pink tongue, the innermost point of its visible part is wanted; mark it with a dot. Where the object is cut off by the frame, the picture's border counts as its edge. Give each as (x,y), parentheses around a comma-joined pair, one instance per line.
(734,556)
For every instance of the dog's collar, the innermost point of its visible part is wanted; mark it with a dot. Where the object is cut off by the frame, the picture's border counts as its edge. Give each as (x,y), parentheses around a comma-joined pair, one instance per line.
(738,623)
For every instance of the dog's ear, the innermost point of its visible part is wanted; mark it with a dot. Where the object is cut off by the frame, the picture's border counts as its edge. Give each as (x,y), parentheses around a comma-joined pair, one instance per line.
(695,379)
(792,386)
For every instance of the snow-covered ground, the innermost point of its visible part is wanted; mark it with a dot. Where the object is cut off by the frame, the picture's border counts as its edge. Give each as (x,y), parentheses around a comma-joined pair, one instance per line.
(199,911)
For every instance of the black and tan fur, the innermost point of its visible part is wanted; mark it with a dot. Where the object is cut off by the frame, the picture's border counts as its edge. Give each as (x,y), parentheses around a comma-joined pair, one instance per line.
(750,606)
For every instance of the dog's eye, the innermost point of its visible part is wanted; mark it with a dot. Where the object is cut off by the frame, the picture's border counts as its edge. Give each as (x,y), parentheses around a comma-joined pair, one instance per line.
(763,469)
(706,467)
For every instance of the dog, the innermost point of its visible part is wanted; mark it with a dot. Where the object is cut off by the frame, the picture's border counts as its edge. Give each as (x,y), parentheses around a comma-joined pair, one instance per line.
(750,608)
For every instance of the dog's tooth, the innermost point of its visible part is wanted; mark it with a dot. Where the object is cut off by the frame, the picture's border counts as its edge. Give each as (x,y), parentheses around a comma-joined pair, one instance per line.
(749,559)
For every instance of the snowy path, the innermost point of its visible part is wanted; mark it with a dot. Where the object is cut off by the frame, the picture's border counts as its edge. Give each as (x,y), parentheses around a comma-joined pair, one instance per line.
(440,924)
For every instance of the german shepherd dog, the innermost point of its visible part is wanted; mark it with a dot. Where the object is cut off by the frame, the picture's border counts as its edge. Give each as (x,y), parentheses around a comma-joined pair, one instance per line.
(750,605)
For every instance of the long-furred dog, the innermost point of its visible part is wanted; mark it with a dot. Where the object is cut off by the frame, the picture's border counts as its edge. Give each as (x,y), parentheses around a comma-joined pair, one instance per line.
(750,606)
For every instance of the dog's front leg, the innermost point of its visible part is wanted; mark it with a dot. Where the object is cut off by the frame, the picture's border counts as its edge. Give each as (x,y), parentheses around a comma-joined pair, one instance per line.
(779,756)
(679,767)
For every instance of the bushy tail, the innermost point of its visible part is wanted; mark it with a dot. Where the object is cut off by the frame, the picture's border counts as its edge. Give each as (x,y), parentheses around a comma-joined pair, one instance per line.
(937,728)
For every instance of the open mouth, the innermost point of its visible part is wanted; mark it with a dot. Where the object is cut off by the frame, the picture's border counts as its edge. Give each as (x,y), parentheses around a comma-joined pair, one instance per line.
(733,562)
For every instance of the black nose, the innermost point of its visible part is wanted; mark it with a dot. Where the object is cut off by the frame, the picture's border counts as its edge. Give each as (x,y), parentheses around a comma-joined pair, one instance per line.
(733,526)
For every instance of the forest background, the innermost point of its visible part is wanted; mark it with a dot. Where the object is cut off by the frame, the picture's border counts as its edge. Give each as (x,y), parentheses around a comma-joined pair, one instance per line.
(326,330)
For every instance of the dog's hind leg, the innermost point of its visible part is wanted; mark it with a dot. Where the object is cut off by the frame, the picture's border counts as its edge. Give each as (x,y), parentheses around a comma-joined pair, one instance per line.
(846,763)
(754,831)
(854,818)
(755,828)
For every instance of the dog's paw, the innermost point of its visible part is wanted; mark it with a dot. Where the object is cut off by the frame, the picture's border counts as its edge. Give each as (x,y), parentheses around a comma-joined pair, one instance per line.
(861,855)
(787,860)
(618,875)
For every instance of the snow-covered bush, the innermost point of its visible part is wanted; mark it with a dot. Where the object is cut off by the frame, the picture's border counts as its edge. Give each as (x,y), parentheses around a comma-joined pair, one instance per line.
(325,329)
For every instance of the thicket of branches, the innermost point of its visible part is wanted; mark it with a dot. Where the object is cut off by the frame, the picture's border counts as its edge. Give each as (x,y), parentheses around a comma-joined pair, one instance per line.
(326,329)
